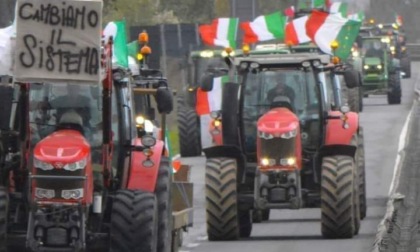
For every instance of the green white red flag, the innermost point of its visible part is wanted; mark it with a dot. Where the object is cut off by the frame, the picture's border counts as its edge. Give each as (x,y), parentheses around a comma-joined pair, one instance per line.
(310,4)
(339,7)
(324,28)
(264,28)
(296,31)
(221,32)
(212,100)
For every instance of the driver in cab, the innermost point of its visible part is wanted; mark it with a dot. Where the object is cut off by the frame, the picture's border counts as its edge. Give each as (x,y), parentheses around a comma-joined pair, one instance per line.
(281,90)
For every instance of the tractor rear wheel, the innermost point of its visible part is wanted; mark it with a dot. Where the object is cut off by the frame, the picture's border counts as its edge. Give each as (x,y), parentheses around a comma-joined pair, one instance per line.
(189,135)
(245,224)
(337,201)
(362,175)
(394,83)
(134,225)
(3,219)
(164,198)
(222,215)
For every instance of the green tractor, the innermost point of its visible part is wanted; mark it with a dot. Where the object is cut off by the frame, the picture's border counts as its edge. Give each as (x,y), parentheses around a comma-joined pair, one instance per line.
(381,72)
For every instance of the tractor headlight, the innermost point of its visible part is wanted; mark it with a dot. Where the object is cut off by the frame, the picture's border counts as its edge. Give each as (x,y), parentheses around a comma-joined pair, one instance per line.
(44,193)
(148,141)
(288,161)
(42,165)
(265,135)
(76,165)
(392,48)
(267,162)
(148,126)
(140,120)
(289,134)
(379,67)
(366,67)
(217,123)
(72,194)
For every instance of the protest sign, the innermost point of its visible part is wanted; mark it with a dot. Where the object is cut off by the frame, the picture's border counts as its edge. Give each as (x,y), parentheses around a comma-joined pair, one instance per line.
(58,40)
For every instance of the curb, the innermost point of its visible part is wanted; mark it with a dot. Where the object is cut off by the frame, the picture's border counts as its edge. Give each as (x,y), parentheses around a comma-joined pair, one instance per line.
(384,238)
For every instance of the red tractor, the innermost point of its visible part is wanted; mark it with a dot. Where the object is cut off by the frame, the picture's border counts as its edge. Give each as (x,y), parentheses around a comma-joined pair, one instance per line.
(76,176)
(288,143)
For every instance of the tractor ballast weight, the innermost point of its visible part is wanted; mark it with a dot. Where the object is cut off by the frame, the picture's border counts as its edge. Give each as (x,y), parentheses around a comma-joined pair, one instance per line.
(284,160)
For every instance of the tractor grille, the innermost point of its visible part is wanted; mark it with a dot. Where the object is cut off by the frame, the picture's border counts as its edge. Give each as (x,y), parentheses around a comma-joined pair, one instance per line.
(277,148)
(58,184)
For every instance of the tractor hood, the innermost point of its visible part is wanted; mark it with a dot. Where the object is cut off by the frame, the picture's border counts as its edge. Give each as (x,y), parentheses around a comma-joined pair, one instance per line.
(64,146)
(278,121)
(372,61)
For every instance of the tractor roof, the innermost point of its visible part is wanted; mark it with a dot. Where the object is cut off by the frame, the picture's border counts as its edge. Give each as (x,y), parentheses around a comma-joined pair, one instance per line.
(283,59)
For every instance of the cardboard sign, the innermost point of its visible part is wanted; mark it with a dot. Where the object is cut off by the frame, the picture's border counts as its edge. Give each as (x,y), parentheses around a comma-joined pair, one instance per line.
(58,41)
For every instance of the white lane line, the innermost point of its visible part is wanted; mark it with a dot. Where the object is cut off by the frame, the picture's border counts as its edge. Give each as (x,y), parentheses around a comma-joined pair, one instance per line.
(401,146)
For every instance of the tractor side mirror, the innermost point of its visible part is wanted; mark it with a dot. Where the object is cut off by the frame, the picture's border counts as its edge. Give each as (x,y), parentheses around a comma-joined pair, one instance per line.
(164,100)
(351,77)
(207,82)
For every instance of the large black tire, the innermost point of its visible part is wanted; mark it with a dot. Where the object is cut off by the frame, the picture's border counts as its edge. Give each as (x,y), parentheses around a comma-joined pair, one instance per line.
(406,67)
(362,175)
(164,198)
(245,224)
(3,219)
(337,201)
(189,132)
(134,223)
(394,83)
(223,220)
(361,95)
(266,214)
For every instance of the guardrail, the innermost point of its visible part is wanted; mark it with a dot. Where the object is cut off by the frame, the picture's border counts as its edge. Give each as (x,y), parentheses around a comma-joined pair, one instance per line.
(414,51)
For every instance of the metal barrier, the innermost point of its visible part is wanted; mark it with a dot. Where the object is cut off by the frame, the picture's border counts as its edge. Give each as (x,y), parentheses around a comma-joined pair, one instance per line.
(413,51)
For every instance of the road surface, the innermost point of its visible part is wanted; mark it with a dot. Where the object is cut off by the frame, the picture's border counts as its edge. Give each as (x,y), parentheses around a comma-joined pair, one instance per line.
(299,230)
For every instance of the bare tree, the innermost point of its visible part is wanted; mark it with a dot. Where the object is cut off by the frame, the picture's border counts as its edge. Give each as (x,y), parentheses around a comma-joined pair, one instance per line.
(7,12)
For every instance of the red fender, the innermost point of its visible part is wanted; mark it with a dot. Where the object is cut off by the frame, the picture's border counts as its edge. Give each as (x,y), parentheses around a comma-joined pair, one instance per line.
(141,177)
(336,133)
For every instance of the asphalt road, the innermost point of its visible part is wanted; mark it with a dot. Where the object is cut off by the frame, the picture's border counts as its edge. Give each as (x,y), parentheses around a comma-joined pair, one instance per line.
(299,230)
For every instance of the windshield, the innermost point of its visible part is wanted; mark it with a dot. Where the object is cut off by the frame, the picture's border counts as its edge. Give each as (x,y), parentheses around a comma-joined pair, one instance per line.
(53,104)
(373,48)
(264,89)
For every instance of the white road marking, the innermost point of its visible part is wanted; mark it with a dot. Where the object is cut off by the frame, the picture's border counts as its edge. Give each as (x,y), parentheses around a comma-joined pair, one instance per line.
(401,146)
(192,245)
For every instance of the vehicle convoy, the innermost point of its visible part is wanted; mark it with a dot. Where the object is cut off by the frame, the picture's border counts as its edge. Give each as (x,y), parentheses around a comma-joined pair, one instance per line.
(288,144)
(381,72)
(76,175)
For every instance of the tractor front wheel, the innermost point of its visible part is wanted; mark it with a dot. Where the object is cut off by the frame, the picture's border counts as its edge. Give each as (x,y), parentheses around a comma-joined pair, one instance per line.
(223,218)
(189,134)
(394,84)
(337,201)
(134,222)
(164,198)
(3,219)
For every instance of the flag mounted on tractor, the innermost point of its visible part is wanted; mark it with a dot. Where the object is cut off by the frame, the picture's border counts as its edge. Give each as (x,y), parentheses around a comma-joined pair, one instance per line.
(221,32)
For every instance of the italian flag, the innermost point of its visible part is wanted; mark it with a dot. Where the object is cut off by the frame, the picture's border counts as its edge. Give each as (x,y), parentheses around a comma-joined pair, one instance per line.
(117,29)
(212,100)
(339,8)
(308,4)
(324,28)
(221,32)
(296,31)
(360,16)
(264,28)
